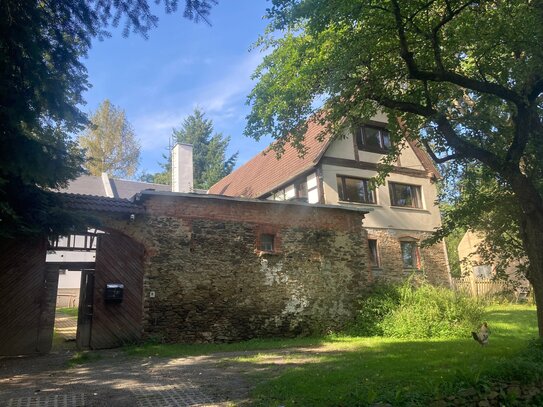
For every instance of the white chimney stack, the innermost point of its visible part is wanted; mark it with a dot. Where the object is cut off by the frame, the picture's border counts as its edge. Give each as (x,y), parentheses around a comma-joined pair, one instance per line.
(182,172)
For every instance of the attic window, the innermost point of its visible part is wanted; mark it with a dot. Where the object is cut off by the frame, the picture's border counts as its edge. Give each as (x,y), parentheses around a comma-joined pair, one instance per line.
(373,139)
(266,242)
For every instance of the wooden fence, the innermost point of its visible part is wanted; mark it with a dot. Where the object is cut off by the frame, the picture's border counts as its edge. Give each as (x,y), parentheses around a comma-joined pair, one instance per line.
(480,287)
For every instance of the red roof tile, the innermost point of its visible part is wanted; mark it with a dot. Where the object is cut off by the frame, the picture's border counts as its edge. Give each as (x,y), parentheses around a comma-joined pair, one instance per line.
(264,172)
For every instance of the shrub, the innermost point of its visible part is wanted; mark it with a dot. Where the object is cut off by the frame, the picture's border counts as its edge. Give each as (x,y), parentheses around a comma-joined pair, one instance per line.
(383,300)
(406,311)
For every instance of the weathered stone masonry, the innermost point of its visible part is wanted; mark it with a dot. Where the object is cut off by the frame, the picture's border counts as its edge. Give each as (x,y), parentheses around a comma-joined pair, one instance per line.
(210,282)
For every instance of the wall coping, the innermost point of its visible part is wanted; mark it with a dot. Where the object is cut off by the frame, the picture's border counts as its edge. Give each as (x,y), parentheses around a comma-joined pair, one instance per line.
(142,196)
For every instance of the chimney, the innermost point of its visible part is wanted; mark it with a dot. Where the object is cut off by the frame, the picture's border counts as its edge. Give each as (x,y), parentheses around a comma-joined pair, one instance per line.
(182,172)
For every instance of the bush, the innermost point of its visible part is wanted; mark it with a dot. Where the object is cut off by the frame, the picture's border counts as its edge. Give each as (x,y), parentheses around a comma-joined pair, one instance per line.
(406,311)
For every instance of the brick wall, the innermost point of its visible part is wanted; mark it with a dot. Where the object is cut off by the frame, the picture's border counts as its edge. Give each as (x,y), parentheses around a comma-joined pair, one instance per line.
(433,258)
(210,283)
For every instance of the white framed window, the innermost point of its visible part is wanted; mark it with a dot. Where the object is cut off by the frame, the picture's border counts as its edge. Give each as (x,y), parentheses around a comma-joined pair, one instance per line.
(405,195)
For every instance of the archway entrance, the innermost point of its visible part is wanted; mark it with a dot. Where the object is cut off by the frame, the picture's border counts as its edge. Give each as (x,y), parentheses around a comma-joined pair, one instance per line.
(110,300)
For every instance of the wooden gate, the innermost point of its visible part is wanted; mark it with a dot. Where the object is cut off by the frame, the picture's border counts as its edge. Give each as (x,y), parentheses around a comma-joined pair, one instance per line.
(119,260)
(28,291)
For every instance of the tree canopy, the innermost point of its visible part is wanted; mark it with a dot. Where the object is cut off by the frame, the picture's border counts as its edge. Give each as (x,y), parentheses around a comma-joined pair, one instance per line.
(209,152)
(465,77)
(110,143)
(42,80)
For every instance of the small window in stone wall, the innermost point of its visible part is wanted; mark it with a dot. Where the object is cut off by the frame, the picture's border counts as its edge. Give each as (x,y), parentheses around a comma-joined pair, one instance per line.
(410,255)
(374,253)
(267,242)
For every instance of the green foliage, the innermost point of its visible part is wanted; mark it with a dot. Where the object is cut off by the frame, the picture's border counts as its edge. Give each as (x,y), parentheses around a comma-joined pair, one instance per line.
(406,311)
(81,358)
(42,79)
(462,77)
(109,143)
(382,302)
(526,367)
(209,152)
(360,371)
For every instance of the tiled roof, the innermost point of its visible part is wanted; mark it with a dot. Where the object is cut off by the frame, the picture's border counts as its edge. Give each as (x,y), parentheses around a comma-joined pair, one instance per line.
(264,172)
(93,185)
(127,189)
(99,203)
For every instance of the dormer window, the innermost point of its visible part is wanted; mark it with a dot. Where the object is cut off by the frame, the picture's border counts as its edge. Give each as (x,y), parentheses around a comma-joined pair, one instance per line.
(373,138)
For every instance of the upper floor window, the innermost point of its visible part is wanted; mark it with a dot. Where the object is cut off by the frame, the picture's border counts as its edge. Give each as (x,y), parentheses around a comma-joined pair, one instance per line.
(373,138)
(354,190)
(301,189)
(405,195)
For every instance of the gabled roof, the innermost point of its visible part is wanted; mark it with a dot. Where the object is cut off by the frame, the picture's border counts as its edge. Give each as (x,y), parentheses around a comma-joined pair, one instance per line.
(265,172)
(124,189)
(424,158)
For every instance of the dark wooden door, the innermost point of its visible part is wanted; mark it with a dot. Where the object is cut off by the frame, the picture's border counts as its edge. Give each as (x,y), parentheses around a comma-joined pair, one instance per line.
(84,318)
(28,292)
(119,260)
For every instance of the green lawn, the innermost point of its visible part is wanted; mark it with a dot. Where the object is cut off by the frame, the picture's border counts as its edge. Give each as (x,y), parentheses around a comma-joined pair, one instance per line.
(361,371)
(353,371)
(68,310)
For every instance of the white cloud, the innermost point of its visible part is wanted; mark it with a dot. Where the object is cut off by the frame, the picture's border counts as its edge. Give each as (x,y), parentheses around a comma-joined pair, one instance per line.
(223,100)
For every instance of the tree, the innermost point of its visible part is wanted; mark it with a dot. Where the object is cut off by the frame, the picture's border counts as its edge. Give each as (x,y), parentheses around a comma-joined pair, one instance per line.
(42,80)
(465,77)
(110,143)
(209,152)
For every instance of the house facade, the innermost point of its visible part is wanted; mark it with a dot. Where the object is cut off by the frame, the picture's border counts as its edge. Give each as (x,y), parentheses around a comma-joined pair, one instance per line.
(475,267)
(402,212)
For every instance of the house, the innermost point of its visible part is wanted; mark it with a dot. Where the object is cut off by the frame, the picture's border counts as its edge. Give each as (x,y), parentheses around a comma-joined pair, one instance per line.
(402,213)
(475,267)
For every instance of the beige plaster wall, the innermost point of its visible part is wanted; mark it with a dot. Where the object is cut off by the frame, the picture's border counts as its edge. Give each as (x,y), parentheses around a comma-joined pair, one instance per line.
(382,214)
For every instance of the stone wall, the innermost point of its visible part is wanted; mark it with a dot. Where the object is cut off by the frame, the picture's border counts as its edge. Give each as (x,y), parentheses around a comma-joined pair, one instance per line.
(433,258)
(206,280)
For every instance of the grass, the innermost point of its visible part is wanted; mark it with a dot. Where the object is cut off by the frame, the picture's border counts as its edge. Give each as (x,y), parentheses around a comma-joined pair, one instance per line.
(68,311)
(181,350)
(361,371)
(358,371)
(80,358)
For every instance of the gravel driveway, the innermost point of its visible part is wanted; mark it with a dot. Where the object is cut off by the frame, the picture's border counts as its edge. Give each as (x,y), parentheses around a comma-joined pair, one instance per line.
(119,380)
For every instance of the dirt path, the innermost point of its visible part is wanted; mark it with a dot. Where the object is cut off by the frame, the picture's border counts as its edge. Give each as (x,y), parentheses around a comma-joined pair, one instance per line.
(119,380)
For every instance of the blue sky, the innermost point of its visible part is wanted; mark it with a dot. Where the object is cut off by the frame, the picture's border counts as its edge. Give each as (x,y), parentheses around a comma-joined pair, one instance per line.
(159,81)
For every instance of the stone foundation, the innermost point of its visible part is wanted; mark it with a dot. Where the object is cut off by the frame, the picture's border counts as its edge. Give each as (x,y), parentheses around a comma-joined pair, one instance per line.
(434,264)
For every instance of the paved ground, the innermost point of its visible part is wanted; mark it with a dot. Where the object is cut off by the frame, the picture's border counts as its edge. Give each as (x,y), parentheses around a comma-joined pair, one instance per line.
(66,326)
(119,380)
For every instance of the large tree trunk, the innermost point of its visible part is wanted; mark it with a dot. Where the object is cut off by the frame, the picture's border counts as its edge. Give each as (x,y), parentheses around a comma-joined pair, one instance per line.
(532,236)
(531,231)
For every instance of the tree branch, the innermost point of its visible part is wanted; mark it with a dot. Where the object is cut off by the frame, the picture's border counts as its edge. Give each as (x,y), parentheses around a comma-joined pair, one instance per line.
(465,148)
(537,89)
(520,138)
(442,75)
(436,159)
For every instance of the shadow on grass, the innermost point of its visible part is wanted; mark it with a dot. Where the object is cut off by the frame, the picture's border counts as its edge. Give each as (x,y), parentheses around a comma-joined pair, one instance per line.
(363,371)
